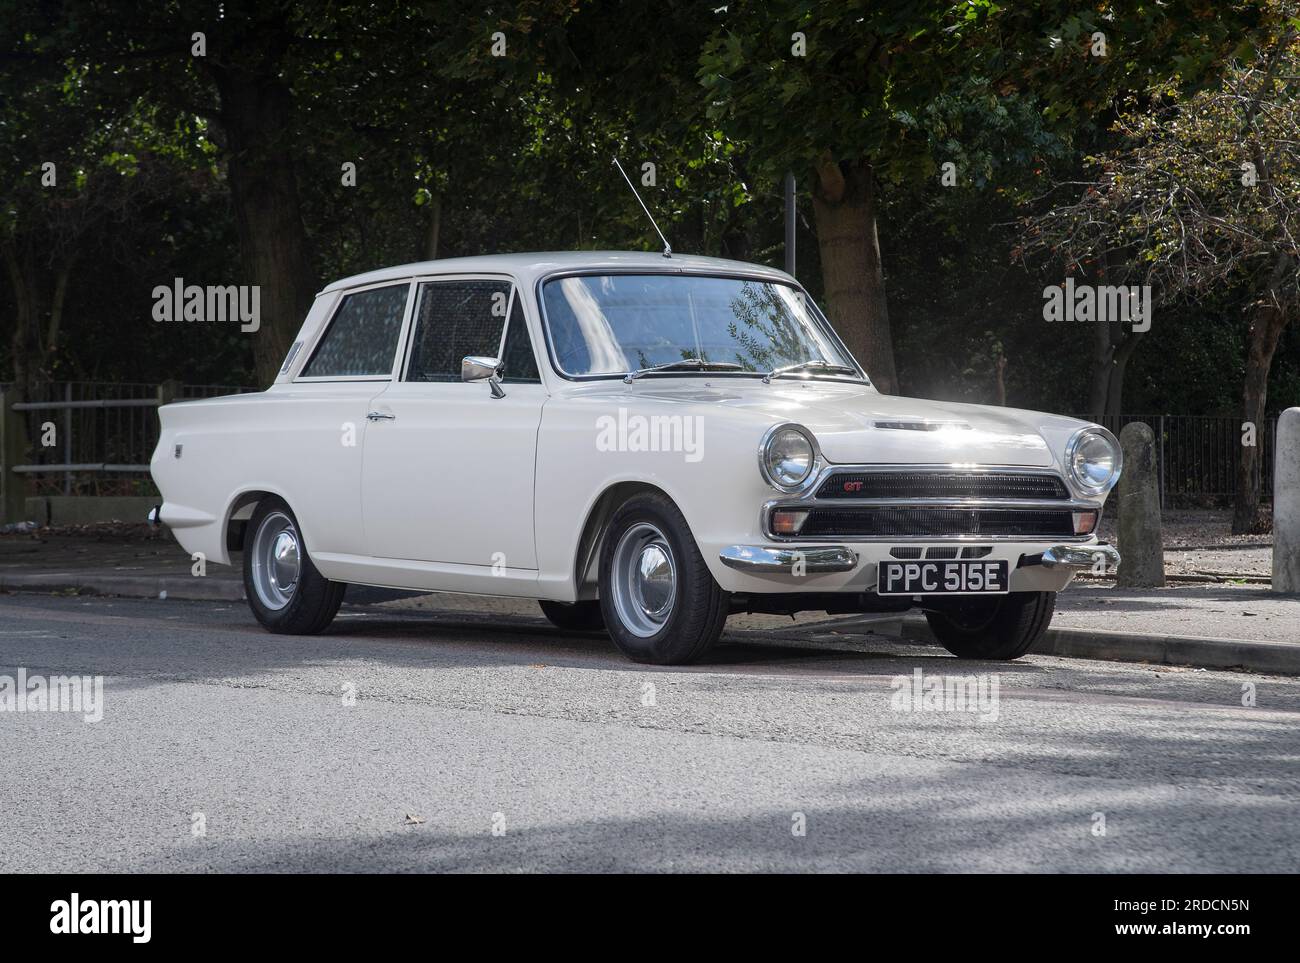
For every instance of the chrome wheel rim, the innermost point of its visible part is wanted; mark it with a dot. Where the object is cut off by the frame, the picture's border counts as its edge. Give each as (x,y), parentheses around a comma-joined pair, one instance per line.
(643,580)
(276,560)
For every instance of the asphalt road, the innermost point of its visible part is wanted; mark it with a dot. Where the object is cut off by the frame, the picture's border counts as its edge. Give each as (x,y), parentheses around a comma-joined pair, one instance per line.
(464,721)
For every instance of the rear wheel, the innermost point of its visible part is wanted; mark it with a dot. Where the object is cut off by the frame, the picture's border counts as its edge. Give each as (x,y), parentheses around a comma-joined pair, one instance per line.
(1004,627)
(660,602)
(573,616)
(285,591)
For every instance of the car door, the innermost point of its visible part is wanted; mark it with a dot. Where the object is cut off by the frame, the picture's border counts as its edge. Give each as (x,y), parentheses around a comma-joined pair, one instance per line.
(448,466)
(318,458)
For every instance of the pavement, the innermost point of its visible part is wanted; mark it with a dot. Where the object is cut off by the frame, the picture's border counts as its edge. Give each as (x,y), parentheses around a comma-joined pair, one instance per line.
(417,738)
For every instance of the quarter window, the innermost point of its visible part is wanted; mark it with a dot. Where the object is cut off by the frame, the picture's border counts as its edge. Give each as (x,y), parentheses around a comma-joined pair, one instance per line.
(362,337)
(453,320)
(519,363)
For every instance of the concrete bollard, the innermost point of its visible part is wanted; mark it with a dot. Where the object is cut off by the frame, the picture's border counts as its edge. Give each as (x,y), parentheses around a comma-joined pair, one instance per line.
(1140,542)
(1286,503)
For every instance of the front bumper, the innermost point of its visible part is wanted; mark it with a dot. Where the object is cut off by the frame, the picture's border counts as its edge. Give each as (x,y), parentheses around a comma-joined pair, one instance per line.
(1056,563)
(1100,556)
(771,559)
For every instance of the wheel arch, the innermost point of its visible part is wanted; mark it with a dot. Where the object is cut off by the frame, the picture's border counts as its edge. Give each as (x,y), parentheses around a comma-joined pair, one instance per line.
(241,509)
(587,558)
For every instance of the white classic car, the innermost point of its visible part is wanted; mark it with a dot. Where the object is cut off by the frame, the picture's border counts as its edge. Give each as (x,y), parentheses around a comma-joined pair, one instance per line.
(645,444)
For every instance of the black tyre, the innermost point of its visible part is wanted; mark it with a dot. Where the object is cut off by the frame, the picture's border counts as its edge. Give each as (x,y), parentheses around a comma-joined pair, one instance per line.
(659,600)
(573,616)
(284,589)
(1004,627)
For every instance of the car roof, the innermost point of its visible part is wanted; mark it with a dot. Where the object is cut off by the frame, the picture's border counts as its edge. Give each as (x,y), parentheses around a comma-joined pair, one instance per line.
(530,266)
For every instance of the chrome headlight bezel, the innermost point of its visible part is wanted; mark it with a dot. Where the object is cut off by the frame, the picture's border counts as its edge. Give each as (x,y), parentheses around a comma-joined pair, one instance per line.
(1082,485)
(814,460)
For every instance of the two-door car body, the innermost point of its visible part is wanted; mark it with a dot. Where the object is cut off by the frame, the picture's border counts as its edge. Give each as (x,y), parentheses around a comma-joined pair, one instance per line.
(644,443)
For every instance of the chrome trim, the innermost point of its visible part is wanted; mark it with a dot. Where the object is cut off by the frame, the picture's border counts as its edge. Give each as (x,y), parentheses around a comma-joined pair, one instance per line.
(1068,461)
(959,502)
(643,580)
(276,561)
(1080,556)
(942,469)
(759,558)
(815,470)
(318,336)
(482,368)
(288,360)
(806,498)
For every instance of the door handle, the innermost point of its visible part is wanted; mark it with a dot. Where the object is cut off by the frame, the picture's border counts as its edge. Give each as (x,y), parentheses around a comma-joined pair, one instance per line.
(381,416)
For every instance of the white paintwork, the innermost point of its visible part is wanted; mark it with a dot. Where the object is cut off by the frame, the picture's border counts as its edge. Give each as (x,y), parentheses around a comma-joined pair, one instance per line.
(461,480)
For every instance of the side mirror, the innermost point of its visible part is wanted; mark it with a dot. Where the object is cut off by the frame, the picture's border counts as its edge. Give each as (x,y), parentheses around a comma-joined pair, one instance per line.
(479,368)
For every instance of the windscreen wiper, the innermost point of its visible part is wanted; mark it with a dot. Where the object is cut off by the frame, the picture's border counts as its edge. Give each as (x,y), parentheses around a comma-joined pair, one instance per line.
(686,364)
(820,365)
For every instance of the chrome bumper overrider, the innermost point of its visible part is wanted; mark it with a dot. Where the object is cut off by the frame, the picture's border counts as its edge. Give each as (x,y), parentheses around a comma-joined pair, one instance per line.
(1080,556)
(759,559)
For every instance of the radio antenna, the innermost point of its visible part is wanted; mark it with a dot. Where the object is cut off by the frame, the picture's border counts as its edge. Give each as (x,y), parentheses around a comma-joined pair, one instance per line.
(668,251)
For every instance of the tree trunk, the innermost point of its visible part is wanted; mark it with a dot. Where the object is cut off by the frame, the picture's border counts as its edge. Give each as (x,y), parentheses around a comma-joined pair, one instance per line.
(23,347)
(434,227)
(1103,361)
(256,114)
(55,327)
(1262,338)
(845,208)
(1120,357)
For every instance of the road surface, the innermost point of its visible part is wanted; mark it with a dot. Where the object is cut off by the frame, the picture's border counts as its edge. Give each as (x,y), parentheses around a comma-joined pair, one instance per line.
(427,740)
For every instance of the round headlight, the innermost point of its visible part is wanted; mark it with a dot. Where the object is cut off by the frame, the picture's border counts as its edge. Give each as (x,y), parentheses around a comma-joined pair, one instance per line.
(788,457)
(1093,460)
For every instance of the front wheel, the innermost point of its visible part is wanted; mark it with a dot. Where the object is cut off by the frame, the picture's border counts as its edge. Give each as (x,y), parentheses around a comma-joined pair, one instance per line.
(660,602)
(285,591)
(1004,627)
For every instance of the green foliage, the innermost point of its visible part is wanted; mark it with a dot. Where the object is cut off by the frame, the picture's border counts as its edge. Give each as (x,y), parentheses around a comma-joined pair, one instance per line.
(515,153)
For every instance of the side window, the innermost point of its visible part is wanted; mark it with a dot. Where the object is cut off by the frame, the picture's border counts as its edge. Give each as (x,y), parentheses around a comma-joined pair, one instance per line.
(455,319)
(362,336)
(518,362)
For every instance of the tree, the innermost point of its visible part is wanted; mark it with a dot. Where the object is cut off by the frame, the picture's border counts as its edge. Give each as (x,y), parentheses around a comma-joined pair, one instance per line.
(832,90)
(1202,197)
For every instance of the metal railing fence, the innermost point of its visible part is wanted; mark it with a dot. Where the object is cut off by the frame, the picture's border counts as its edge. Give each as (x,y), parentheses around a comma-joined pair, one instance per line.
(91,438)
(1197,455)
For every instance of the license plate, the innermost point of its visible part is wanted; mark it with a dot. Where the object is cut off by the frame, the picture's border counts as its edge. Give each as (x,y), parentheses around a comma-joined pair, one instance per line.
(943,578)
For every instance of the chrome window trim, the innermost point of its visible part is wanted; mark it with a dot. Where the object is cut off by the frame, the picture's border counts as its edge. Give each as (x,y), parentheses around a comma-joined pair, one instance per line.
(318,340)
(417,282)
(821,319)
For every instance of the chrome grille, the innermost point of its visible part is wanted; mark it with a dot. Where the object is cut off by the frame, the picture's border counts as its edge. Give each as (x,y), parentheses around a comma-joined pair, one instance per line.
(943,484)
